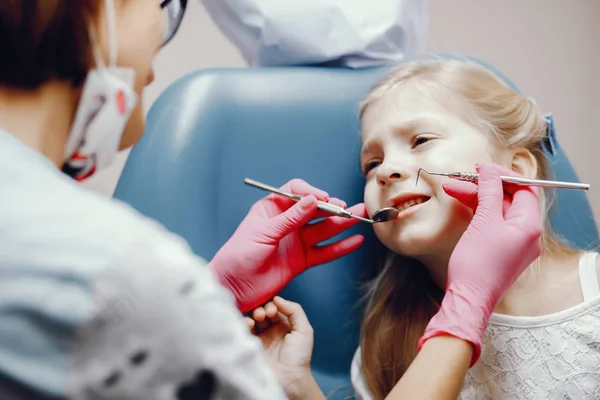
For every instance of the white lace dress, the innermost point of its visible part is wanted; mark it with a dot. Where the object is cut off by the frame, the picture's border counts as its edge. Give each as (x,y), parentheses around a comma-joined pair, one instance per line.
(551,357)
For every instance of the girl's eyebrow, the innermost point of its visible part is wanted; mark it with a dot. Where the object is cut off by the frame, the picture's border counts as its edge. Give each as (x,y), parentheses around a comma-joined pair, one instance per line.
(418,122)
(408,126)
(367,145)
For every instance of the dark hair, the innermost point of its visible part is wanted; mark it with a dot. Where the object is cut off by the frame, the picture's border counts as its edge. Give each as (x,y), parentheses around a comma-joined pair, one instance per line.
(44,40)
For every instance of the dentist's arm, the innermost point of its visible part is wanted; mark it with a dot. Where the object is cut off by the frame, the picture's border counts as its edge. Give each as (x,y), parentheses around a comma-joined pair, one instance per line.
(507,237)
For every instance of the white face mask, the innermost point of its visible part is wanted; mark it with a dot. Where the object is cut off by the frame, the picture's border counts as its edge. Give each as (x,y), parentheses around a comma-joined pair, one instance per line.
(107,100)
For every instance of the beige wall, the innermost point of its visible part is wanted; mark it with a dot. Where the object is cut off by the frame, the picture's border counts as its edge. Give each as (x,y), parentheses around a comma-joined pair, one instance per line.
(548,47)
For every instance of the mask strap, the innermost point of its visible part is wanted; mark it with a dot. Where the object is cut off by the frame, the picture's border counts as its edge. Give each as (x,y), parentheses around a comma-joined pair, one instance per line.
(95,48)
(112,32)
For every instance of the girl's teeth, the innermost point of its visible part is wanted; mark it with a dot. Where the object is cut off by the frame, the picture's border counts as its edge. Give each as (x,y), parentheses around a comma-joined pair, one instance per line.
(411,203)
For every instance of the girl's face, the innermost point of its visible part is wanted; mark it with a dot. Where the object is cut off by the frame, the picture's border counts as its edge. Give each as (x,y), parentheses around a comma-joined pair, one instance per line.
(402,132)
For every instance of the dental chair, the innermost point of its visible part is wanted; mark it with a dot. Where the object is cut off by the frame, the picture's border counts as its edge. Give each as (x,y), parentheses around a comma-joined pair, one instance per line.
(214,127)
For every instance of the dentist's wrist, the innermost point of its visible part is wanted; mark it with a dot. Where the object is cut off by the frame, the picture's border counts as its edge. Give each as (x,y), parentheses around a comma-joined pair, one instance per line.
(228,282)
(464,314)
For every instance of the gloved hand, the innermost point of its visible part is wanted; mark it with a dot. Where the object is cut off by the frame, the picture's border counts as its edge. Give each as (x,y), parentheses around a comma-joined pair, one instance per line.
(272,245)
(495,249)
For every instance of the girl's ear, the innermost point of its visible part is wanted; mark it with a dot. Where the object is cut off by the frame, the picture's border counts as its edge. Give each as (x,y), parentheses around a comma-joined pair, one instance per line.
(524,163)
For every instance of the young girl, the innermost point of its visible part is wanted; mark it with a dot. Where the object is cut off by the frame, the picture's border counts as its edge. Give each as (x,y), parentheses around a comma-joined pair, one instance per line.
(543,340)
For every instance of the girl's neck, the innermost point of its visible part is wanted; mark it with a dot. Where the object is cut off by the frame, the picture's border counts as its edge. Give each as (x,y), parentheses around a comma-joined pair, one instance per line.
(437,263)
(549,285)
(41,118)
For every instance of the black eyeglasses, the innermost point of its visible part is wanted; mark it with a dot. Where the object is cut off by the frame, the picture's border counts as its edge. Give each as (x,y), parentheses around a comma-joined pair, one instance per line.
(173,11)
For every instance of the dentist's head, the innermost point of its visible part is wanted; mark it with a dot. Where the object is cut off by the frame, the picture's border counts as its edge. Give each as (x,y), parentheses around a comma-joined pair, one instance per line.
(73,73)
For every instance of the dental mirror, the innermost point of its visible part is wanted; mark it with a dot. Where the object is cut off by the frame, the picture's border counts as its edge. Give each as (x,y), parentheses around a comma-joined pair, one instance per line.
(385,214)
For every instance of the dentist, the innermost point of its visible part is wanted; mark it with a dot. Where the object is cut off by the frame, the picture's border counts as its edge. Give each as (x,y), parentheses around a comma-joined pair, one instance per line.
(97,301)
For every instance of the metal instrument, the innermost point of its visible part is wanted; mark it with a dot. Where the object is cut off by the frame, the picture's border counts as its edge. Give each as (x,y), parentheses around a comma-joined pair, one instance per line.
(383,215)
(514,180)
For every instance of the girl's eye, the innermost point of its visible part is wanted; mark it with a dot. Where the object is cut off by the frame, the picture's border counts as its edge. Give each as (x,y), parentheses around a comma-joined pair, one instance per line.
(370,165)
(419,140)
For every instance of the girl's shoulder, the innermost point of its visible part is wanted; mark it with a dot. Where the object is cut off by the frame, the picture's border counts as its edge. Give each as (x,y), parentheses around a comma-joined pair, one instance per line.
(589,275)
(597,262)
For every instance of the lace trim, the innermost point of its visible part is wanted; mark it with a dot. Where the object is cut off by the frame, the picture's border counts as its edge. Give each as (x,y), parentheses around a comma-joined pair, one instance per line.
(544,320)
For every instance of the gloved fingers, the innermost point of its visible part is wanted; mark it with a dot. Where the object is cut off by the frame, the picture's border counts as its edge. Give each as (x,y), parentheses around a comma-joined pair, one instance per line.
(328,228)
(300,214)
(293,218)
(316,255)
(295,315)
(510,190)
(465,192)
(299,187)
(337,202)
(334,201)
(490,189)
(506,203)
(524,211)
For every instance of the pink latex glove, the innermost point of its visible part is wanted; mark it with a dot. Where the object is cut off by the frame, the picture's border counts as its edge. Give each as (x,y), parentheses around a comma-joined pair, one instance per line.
(273,244)
(502,240)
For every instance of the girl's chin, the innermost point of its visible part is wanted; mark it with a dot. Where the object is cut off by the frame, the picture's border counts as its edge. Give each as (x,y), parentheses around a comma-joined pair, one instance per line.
(425,246)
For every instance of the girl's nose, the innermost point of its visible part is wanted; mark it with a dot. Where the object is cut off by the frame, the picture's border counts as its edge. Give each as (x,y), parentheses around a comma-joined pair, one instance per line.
(388,174)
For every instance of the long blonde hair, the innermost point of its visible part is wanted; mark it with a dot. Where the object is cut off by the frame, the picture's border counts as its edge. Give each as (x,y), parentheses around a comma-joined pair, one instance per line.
(403,297)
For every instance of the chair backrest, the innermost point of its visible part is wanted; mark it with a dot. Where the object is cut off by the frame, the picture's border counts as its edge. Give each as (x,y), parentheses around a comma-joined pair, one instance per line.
(212,128)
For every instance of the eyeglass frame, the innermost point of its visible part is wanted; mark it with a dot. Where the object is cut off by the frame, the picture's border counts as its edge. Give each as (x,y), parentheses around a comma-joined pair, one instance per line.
(164,4)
